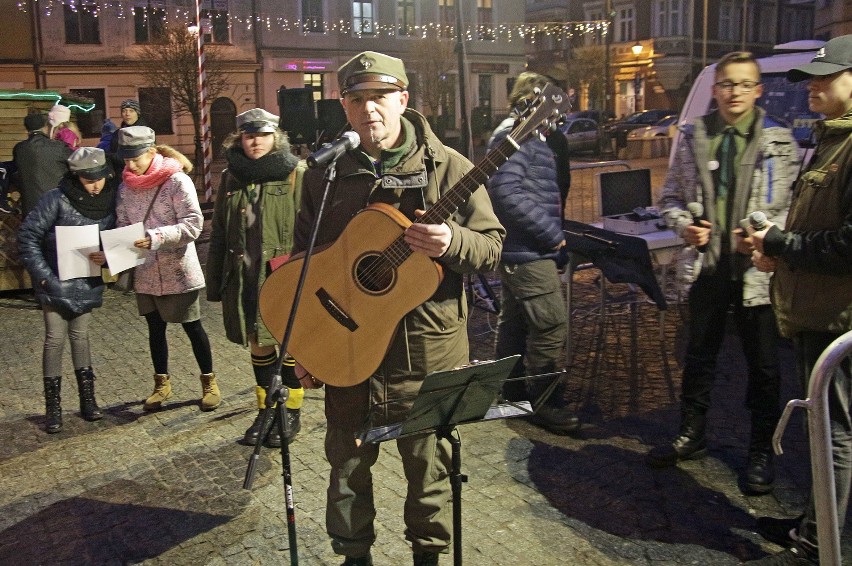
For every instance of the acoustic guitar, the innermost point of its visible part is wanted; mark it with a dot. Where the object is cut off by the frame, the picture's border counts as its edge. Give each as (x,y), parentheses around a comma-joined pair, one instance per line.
(359,288)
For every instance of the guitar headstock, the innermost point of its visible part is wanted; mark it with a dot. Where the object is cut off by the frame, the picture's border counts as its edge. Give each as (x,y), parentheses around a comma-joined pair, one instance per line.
(543,113)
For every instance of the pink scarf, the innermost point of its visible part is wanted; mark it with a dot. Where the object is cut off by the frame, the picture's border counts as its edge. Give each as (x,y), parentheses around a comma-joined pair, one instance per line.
(158,172)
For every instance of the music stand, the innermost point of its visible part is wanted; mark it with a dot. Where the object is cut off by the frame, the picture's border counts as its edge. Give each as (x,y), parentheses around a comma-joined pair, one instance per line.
(450,398)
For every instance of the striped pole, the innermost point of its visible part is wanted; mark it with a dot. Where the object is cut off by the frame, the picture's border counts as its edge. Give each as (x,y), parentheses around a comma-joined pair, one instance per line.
(206,149)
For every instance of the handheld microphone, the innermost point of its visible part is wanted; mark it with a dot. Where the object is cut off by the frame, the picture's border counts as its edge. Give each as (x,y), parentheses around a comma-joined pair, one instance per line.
(696,209)
(758,221)
(331,151)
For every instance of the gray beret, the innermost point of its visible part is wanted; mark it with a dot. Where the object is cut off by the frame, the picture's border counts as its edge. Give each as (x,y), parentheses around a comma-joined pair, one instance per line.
(133,141)
(257,120)
(89,163)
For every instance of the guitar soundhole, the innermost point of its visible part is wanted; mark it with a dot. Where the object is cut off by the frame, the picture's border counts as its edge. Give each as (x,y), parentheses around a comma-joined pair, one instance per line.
(374,274)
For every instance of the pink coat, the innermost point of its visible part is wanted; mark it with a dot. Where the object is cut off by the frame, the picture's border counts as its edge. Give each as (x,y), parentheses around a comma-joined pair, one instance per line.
(175,222)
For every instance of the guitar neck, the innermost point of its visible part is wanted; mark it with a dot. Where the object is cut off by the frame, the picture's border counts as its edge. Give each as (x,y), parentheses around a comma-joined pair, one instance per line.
(461,191)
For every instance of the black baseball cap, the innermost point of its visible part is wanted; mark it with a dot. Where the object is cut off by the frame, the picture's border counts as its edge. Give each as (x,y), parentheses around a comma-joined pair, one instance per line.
(833,57)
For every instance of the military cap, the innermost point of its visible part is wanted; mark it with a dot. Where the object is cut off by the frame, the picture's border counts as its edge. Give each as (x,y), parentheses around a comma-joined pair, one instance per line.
(133,141)
(372,70)
(257,121)
(89,163)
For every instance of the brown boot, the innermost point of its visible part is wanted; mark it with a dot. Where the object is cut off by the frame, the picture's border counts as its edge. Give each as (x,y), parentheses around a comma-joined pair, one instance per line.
(210,396)
(162,391)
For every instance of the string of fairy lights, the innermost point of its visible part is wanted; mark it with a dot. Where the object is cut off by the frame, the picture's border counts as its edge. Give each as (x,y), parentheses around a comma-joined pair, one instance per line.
(364,28)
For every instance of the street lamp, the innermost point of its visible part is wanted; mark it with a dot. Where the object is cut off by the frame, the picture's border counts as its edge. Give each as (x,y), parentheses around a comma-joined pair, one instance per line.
(637,78)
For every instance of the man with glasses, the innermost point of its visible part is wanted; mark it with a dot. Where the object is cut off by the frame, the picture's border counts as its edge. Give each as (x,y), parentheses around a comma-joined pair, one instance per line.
(812,285)
(731,161)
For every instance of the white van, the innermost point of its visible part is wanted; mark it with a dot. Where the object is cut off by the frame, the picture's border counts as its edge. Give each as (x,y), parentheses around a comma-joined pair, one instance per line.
(785,101)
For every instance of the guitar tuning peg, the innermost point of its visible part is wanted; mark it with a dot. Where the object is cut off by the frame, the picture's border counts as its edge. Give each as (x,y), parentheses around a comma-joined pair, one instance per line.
(541,136)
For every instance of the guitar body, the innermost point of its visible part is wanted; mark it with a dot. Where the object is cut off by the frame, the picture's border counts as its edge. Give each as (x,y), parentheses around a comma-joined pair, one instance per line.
(351,302)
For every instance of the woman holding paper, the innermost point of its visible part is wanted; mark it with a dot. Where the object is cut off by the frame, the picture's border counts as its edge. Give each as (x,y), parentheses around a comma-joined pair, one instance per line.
(157,192)
(86,196)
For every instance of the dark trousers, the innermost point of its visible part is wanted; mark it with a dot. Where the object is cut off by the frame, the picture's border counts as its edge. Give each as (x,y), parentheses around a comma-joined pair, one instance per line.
(709,302)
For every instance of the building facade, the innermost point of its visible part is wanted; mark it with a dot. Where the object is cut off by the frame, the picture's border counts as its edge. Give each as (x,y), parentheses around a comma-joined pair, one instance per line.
(94,48)
(655,48)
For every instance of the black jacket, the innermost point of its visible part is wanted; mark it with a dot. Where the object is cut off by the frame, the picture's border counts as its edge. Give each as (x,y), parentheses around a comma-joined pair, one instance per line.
(37,247)
(42,162)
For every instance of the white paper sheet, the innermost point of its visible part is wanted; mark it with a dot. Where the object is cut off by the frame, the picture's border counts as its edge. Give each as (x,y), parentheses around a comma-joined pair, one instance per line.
(118,247)
(73,246)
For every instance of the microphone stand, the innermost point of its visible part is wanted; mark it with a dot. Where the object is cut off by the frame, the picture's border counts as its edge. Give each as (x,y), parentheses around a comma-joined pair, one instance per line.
(277,393)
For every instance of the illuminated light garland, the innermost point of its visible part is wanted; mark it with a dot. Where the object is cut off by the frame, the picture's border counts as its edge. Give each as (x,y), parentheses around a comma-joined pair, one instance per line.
(46,96)
(474,32)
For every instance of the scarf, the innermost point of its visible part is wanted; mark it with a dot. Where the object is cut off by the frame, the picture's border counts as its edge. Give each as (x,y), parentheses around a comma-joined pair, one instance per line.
(94,207)
(274,166)
(158,172)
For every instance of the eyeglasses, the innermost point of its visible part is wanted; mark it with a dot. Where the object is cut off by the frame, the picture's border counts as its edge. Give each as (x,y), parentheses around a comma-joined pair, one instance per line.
(728,86)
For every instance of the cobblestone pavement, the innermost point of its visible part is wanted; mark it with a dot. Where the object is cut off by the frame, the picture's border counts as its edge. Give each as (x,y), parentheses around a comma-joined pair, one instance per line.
(166,488)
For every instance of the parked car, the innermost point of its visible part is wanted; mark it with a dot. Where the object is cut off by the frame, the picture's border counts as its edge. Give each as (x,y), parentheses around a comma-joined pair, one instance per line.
(582,135)
(665,128)
(619,128)
(599,116)
(781,99)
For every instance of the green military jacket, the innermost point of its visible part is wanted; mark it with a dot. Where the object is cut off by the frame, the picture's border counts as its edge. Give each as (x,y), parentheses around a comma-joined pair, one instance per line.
(279,205)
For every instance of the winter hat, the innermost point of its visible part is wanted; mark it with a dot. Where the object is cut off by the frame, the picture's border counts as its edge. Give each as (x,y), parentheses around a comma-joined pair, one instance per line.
(131,103)
(59,114)
(833,57)
(133,141)
(257,120)
(34,121)
(89,163)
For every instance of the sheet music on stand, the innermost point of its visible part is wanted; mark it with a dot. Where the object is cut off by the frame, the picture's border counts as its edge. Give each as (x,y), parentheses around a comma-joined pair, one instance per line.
(456,396)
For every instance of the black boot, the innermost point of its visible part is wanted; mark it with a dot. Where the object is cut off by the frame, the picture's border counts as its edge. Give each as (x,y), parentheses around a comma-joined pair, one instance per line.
(52,400)
(273,439)
(553,415)
(690,443)
(760,470)
(86,386)
(253,432)
(426,558)
(294,420)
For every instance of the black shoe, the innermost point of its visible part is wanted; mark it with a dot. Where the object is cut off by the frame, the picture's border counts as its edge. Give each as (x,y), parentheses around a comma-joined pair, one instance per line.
(683,448)
(359,561)
(558,420)
(793,556)
(273,439)
(783,532)
(426,558)
(295,423)
(760,472)
(89,409)
(253,432)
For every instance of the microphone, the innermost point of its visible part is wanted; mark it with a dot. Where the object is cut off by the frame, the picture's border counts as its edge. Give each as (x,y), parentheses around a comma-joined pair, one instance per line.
(758,221)
(329,152)
(696,209)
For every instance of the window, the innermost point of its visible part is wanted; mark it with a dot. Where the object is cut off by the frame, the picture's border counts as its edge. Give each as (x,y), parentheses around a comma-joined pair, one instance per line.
(149,20)
(597,37)
(362,18)
(156,105)
(405,17)
(447,17)
(729,21)
(485,18)
(796,23)
(81,23)
(485,88)
(312,19)
(90,122)
(314,81)
(624,24)
(670,17)
(215,21)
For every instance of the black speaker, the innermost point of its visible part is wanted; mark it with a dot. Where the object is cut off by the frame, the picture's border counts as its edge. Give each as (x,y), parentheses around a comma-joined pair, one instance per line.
(330,119)
(298,114)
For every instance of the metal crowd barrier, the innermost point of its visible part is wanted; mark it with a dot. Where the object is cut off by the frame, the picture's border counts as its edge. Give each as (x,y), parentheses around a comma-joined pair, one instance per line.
(819,436)
(584,203)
